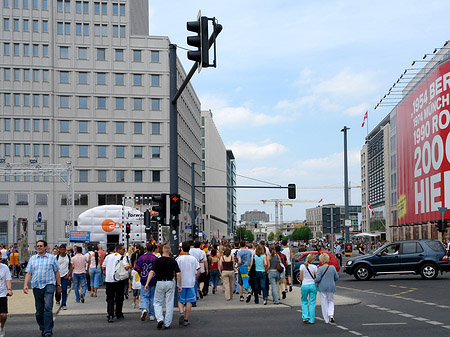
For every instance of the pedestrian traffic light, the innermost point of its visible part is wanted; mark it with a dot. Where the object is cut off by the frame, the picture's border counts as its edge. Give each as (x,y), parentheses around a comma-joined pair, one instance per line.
(201,41)
(194,232)
(292,191)
(128,228)
(160,206)
(175,204)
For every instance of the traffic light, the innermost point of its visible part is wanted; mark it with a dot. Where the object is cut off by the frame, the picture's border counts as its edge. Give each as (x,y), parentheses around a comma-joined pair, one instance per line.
(127,228)
(147,218)
(160,206)
(194,232)
(292,191)
(201,41)
(445,225)
(439,226)
(175,204)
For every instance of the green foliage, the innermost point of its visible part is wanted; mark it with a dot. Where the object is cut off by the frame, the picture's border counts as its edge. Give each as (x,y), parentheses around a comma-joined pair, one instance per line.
(244,235)
(270,237)
(301,234)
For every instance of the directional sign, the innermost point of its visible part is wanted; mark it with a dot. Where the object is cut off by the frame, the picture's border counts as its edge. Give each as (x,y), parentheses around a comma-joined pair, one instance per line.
(39,217)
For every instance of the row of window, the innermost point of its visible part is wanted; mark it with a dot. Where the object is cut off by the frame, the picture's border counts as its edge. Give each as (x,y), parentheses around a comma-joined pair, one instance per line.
(37,100)
(82,7)
(120,176)
(15,25)
(83,126)
(25,4)
(26,75)
(82,29)
(35,50)
(41,199)
(25,149)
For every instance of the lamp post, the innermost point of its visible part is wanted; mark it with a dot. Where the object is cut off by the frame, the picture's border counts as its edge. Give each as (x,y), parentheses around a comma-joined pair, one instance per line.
(347,233)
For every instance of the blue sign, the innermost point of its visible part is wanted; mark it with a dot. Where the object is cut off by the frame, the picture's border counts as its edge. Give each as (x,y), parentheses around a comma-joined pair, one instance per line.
(188,227)
(38,232)
(80,236)
(39,218)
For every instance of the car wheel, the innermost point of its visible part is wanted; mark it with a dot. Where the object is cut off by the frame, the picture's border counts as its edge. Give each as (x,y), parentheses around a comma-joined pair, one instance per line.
(428,271)
(297,277)
(362,273)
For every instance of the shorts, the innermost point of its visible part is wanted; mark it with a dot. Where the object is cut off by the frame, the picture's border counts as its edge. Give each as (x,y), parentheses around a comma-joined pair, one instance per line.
(202,278)
(3,305)
(136,292)
(288,270)
(187,295)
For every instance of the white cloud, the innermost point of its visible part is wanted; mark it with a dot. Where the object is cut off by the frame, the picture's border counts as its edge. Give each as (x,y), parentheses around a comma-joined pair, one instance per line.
(357,110)
(247,151)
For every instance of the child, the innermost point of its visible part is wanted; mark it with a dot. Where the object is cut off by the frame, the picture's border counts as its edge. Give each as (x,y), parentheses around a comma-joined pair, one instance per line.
(136,287)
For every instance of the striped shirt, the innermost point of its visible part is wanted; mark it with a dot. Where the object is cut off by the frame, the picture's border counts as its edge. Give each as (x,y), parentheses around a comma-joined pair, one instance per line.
(42,270)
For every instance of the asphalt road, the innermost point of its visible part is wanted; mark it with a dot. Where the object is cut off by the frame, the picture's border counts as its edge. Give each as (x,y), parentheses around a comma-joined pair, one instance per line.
(390,305)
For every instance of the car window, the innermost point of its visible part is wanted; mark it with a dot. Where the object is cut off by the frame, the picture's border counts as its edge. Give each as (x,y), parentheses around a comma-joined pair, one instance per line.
(391,249)
(435,245)
(411,248)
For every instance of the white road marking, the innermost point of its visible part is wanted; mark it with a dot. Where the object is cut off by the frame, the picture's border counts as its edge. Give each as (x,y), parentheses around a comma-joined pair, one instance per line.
(419,301)
(395,312)
(446,326)
(399,323)
(373,305)
(407,315)
(434,322)
(420,319)
(341,327)
(355,333)
(429,303)
(384,309)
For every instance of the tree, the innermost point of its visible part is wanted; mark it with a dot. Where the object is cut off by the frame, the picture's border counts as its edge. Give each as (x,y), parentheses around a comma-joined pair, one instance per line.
(244,235)
(279,235)
(270,237)
(301,234)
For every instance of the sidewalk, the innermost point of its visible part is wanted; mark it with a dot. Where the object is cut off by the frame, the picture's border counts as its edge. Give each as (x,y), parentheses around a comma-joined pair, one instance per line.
(21,304)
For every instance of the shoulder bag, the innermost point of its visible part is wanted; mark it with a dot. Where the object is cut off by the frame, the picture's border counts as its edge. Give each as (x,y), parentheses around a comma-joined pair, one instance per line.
(120,273)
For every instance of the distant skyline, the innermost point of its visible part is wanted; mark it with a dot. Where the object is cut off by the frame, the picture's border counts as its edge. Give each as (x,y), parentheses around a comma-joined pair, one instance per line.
(291,74)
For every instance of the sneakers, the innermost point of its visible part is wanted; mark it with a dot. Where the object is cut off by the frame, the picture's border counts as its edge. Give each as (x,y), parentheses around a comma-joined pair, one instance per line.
(181,319)
(143,315)
(265,302)
(194,304)
(331,320)
(241,299)
(110,319)
(134,304)
(305,321)
(249,297)
(290,288)
(57,303)
(2,332)
(82,298)
(160,325)
(151,318)
(63,308)
(186,323)
(284,294)
(200,294)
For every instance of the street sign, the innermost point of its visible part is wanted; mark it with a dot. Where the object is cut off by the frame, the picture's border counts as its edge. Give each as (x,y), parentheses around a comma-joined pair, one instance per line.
(39,217)
(39,232)
(348,223)
(39,226)
(80,236)
(188,227)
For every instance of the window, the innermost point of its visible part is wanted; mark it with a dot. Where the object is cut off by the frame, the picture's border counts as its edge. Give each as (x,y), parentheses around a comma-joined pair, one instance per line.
(137,79)
(110,199)
(64,77)
(82,78)
(120,151)
(82,126)
(104,30)
(101,127)
(25,25)
(67,28)
(7,149)
(26,150)
(67,6)
(46,150)
(64,52)
(78,28)
(154,56)
(64,126)
(16,74)
(137,128)
(101,54)
(16,99)
(36,150)
(7,124)
(82,102)
(64,150)
(36,75)
(16,3)
(115,30)
(101,78)
(17,150)
(122,31)
(6,74)
(137,103)
(138,176)
(96,7)
(101,151)
(35,26)
(138,151)
(36,125)
(101,176)
(45,127)
(156,104)
(45,100)
(119,79)
(21,199)
(120,127)
(101,102)
(118,54)
(120,103)
(6,48)
(120,176)
(26,49)
(41,199)
(115,9)
(59,28)
(5,24)
(83,151)
(16,124)
(80,199)
(26,99)
(35,50)
(155,80)
(63,101)
(156,176)
(45,26)
(78,7)
(122,9)
(26,74)
(26,125)
(7,98)
(4,199)
(156,152)
(45,50)
(82,53)
(16,49)
(83,176)
(86,29)
(16,24)
(137,55)
(59,5)
(156,128)
(104,8)
(44,4)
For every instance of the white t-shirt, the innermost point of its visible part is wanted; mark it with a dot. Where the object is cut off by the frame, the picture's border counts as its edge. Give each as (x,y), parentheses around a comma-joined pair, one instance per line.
(5,275)
(4,253)
(110,264)
(188,265)
(63,263)
(135,280)
(234,252)
(200,256)
(287,252)
(307,279)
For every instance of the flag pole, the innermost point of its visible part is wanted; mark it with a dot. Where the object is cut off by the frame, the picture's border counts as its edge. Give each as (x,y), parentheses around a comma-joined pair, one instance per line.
(367,123)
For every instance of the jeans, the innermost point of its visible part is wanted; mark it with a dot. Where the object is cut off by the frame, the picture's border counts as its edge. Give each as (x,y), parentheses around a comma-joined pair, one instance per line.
(114,297)
(147,298)
(214,275)
(309,293)
(164,293)
(43,301)
(77,280)
(260,282)
(274,277)
(95,275)
(65,283)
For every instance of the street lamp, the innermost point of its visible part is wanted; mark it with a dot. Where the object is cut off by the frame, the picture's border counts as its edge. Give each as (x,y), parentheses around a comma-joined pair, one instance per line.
(347,232)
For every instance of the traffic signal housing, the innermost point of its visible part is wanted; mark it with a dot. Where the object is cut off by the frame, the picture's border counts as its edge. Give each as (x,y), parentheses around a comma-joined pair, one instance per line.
(175,204)
(201,41)
(194,232)
(440,226)
(160,206)
(292,191)
(127,228)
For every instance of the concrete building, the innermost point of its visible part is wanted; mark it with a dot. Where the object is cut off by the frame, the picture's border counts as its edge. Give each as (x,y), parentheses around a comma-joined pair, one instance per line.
(83,82)
(231,194)
(255,216)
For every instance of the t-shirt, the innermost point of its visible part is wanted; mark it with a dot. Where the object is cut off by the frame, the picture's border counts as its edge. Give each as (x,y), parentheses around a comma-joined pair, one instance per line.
(307,279)
(246,257)
(63,263)
(79,264)
(143,266)
(4,253)
(165,268)
(188,267)
(259,262)
(135,280)
(234,252)
(109,263)
(287,252)
(5,275)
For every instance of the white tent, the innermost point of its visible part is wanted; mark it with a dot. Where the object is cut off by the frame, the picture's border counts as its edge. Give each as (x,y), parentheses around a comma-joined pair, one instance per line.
(365,234)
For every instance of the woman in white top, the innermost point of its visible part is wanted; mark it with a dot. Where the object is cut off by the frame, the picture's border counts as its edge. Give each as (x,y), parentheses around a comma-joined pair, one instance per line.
(95,269)
(308,273)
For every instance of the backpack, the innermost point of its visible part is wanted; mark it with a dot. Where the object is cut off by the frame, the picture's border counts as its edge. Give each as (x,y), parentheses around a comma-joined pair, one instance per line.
(120,273)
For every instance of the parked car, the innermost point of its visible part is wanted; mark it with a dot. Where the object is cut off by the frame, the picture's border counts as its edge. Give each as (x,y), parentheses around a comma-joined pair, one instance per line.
(424,257)
(300,259)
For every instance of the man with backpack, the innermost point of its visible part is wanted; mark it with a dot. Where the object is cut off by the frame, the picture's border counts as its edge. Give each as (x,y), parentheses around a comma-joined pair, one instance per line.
(114,286)
(65,270)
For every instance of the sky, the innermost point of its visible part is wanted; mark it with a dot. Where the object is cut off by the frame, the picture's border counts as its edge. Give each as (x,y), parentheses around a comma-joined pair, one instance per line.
(291,74)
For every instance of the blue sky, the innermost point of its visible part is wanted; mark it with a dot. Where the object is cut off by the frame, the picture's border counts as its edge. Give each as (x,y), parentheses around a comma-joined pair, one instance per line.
(291,74)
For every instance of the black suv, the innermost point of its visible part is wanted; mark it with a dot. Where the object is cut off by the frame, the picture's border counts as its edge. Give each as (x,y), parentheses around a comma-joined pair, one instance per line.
(424,257)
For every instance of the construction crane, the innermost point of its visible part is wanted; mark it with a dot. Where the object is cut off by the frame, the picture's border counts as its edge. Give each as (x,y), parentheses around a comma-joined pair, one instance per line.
(280,203)
(281,210)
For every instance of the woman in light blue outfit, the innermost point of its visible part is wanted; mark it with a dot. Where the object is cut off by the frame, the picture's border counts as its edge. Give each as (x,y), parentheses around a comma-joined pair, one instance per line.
(326,282)
(95,270)
(260,277)
(274,275)
(308,273)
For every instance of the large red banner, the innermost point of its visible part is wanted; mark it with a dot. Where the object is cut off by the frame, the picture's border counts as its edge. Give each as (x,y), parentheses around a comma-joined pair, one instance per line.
(423,149)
